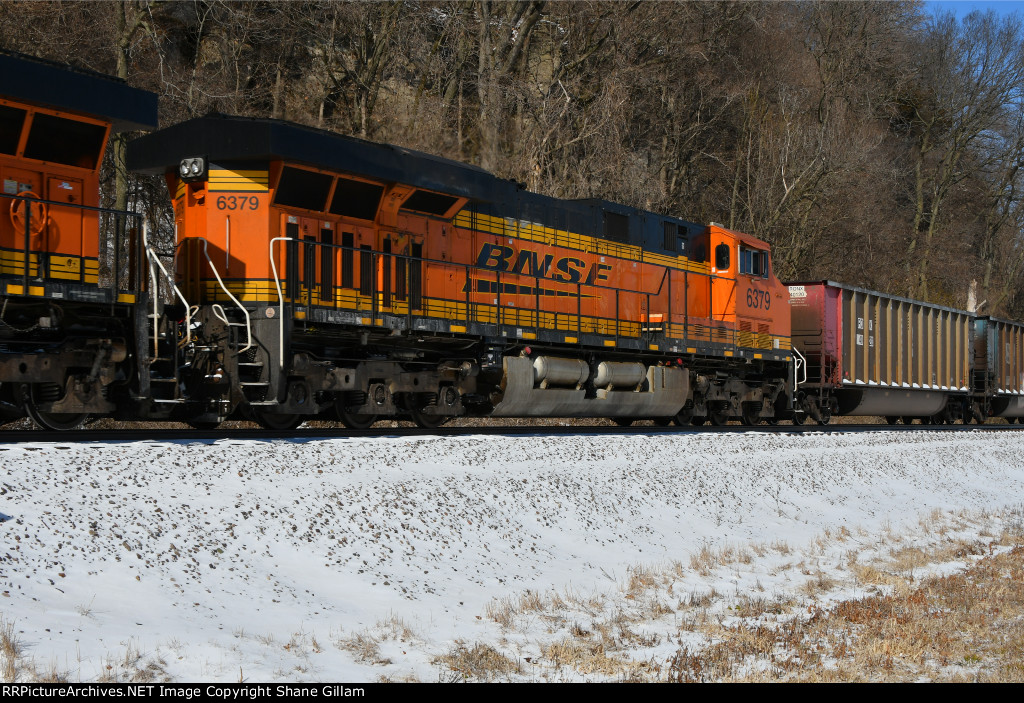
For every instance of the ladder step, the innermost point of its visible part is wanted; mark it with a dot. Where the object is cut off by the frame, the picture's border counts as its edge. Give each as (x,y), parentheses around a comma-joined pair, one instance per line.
(163,380)
(251,364)
(251,384)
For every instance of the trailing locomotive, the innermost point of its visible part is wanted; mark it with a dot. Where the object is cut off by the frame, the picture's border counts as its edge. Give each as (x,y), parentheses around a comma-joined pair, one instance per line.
(66,308)
(321,276)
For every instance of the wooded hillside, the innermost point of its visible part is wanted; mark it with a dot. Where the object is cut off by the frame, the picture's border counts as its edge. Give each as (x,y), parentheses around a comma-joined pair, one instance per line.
(869,142)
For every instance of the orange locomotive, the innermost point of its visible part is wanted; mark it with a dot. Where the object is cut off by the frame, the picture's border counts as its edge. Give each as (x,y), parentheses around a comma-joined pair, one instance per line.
(64,332)
(324,274)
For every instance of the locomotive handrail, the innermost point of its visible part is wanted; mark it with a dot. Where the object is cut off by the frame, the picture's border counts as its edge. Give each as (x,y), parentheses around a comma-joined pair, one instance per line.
(724,333)
(248,323)
(154,258)
(280,296)
(799,364)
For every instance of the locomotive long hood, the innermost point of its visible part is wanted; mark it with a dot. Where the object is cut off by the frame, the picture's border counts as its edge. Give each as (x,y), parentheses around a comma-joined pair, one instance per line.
(223,138)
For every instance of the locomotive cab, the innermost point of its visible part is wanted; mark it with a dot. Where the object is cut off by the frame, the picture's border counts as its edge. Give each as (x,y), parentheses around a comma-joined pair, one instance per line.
(745,292)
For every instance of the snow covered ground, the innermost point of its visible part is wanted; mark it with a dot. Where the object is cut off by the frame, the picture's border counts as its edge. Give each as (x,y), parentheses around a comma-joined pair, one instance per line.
(361,559)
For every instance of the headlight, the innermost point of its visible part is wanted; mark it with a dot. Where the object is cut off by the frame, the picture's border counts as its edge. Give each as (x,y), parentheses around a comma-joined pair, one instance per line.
(192,169)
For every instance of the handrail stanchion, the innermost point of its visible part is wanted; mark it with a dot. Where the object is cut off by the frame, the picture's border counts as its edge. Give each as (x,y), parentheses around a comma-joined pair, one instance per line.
(280,297)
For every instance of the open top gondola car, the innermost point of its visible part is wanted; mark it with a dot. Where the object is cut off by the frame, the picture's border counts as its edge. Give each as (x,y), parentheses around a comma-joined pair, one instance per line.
(869,353)
(331,274)
(64,323)
(998,369)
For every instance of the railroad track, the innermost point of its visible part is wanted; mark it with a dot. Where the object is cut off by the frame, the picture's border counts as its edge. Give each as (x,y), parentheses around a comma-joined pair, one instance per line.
(192,435)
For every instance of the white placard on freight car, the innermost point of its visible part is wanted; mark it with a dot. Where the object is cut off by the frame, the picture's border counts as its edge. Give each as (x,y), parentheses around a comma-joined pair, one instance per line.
(797,292)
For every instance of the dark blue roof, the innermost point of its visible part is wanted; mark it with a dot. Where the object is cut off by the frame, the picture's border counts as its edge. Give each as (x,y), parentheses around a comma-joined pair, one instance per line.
(62,87)
(223,138)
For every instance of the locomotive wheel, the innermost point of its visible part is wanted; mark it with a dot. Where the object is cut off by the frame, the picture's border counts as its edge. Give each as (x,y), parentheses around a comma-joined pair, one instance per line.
(719,417)
(426,420)
(623,421)
(356,421)
(825,416)
(750,418)
(36,393)
(684,417)
(278,423)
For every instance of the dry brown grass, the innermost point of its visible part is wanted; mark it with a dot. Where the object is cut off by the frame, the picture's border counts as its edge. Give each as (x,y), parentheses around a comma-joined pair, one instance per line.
(965,626)
(10,651)
(482,662)
(364,647)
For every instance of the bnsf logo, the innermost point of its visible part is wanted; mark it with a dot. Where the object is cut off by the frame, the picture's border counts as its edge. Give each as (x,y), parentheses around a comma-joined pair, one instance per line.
(568,269)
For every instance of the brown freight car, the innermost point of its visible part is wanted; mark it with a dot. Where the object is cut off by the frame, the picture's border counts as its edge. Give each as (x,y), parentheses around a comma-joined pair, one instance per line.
(868,353)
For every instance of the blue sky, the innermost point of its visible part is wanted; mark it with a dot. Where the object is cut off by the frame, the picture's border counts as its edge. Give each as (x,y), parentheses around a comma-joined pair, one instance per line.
(964,7)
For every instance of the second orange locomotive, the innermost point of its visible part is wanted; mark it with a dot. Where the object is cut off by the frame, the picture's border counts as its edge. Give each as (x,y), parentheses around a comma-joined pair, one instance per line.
(321,273)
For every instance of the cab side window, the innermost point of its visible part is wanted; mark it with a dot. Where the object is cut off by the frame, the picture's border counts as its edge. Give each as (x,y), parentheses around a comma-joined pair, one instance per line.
(754,262)
(722,261)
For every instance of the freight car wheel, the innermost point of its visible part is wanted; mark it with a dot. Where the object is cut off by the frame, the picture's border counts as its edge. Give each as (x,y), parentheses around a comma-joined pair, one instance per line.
(36,393)
(623,421)
(891,419)
(799,418)
(661,421)
(825,416)
(203,425)
(908,420)
(278,423)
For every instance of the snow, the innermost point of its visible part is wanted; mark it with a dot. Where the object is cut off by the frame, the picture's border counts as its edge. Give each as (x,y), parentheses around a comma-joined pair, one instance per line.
(276,560)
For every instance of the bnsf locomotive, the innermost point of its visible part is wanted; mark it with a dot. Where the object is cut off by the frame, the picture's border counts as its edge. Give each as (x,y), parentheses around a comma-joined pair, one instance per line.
(67,310)
(321,276)
(333,274)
